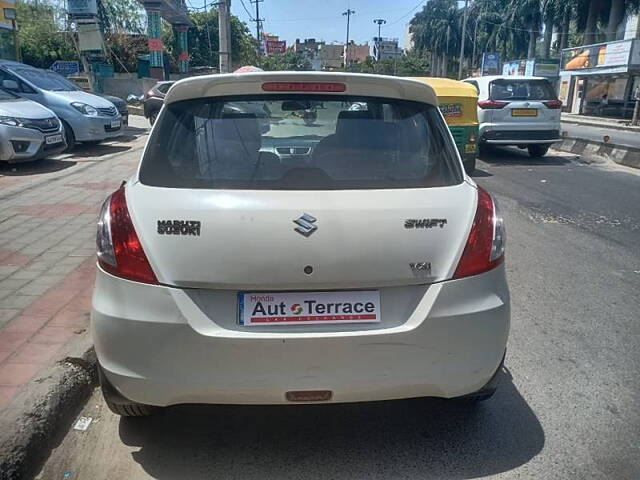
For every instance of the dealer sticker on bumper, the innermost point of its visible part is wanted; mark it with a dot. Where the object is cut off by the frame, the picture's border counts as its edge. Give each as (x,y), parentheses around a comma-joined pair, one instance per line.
(304,308)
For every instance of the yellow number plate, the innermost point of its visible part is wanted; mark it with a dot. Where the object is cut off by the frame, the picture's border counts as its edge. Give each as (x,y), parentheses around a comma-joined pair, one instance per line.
(524,112)
(470,148)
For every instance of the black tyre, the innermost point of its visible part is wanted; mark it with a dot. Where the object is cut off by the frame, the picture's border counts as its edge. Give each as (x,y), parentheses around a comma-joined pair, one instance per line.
(120,405)
(153,117)
(93,142)
(131,409)
(537,151)
(469,166)
(69,136)
(483,149)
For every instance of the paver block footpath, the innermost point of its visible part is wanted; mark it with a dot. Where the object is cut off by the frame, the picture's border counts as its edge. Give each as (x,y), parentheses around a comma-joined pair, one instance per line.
(31,339)
(48,214)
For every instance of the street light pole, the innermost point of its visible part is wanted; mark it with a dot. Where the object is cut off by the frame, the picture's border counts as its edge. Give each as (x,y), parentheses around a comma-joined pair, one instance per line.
(348,13)
(380,22)
(464,34)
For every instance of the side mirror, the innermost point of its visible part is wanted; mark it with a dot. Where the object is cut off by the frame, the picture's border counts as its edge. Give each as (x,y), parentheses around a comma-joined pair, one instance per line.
(11,85)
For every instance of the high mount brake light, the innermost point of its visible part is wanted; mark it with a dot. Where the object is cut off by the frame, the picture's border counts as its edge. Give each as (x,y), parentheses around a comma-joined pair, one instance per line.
(553,104)
(491,104)
(303,87)
(120,252)
(485,245)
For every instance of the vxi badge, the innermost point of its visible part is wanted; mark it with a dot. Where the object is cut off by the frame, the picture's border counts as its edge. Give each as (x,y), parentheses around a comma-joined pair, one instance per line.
(425,222)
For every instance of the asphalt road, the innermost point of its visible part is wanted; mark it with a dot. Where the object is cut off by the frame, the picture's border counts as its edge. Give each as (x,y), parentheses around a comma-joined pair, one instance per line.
(567,406)
(616,137)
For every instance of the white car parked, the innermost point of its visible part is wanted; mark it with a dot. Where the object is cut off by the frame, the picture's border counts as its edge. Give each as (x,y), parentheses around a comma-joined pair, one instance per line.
(521,111)
(341,261)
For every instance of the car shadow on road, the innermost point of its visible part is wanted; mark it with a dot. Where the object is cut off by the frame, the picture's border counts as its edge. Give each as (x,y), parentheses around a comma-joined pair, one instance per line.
(516,156)
(100,150)
(48,165)
(420,438)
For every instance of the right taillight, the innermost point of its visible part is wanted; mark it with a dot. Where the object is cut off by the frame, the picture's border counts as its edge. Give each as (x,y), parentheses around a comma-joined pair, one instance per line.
(553,104)
(485,245)
(120,252)
(492,104)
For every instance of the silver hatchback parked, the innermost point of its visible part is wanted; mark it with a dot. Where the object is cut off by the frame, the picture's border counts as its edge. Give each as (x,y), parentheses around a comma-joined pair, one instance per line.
(28,131)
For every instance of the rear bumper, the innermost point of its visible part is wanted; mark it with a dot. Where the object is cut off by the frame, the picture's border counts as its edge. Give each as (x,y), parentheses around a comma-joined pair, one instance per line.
(527,136)
(450,346)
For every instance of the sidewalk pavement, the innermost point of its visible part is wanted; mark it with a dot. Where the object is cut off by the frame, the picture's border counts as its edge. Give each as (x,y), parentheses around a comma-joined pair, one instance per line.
(602,122)
(48,213)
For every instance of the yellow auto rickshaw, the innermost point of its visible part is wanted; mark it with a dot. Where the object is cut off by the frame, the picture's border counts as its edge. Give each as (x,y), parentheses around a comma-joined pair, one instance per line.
(458,103)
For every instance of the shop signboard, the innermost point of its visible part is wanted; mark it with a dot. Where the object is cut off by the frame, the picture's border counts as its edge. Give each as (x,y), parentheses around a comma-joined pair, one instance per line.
(563,91)
(528,68)
(7,13)
(546,68)
(514,67)
(276,46)
(617,54)
(597,56)
(65,67)
(490,64)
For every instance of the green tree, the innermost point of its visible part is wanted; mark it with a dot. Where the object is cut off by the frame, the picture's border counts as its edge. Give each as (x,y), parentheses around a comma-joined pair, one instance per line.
(204,45)
(288,61)
(41,40)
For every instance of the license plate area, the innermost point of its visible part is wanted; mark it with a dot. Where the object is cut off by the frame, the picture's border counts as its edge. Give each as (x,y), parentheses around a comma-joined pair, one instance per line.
(308,308)
(115,124)
(524,112)
(53,139)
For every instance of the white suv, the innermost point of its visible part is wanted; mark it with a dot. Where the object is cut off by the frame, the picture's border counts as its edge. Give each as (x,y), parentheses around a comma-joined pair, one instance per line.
(521,111)
(343,260)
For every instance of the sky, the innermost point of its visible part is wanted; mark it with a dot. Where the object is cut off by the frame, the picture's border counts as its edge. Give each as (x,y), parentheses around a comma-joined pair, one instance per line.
(323,19)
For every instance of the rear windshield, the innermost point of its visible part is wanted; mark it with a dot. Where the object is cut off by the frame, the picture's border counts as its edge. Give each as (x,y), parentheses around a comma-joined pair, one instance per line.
(299,142)
(522,90)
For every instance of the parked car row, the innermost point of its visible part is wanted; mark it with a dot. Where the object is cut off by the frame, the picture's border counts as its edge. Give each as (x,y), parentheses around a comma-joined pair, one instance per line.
(43,113)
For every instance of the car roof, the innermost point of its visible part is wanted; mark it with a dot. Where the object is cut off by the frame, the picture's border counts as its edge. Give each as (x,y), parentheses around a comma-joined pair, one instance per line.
(446,87)
(490,78)
(251,84)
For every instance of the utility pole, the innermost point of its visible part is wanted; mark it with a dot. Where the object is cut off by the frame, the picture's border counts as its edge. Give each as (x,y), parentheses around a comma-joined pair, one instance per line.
(636,110)
(224,31)
(209,35)
(348,13)
(16,39)
(258,21)
(464,34)
(380,22)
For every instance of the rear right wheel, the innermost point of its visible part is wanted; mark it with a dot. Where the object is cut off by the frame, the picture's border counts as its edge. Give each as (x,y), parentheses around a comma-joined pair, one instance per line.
(537,151)
(153,117)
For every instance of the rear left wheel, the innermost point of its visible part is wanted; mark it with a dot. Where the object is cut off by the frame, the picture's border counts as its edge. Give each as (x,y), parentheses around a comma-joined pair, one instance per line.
(120,405)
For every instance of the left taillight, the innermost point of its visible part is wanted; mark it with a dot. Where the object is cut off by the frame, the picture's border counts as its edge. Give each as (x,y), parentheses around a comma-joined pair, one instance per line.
(485,244)
(120,252)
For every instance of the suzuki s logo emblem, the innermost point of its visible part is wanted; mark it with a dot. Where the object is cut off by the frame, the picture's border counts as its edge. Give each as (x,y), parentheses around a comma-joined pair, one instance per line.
(305,224)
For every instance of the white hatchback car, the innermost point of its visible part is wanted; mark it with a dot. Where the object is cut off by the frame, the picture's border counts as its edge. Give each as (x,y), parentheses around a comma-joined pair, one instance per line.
(346,260)
(521,111)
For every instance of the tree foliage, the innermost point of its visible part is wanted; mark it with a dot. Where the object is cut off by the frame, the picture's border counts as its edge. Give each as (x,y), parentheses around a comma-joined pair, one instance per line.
(290,60)
(513,28)
(41,40)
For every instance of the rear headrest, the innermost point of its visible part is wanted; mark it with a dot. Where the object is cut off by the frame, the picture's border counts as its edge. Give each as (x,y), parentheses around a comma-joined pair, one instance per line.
(344,125)
(242,127)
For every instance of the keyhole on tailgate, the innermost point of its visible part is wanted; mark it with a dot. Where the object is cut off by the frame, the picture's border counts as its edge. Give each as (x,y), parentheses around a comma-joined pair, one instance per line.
(308,269)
